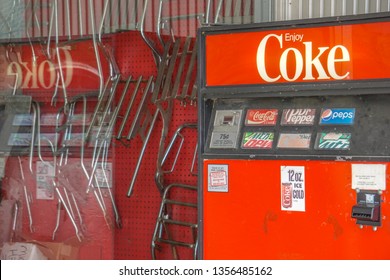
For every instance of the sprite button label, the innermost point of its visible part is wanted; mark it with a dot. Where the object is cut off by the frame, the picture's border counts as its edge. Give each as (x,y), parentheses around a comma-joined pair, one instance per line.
(333,141)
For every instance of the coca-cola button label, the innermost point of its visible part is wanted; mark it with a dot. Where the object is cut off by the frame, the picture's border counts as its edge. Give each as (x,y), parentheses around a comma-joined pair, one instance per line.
(261,117)
(298,117)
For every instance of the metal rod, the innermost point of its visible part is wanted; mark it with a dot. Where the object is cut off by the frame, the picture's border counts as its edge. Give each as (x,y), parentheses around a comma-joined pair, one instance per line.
(164,220)
(102,19)
(79,8)
(49,33)
(68,200)
(55,92)
(171,67)
(98,150)
(156,54)
(26,197)
(175,90)
(108,104)
(78,233)
(161,69)
(38,130)
(120,103)
(129,107)
(82,225)
(95,47)
(194,91)
(190,70)
(177,153)
(14,220)
(159,23)
(118,219)
(142,105)
(57,219)
(142,152)
(58,54)
(105,112)
(67,11)
(32,137)
(194,158)
(207,21)
(97,108)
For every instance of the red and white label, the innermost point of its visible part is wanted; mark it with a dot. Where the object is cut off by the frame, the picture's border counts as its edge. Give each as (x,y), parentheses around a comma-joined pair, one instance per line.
(218,178)
(260,117)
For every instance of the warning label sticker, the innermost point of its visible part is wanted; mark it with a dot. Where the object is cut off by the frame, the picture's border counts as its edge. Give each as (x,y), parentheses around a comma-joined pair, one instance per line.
(218,178)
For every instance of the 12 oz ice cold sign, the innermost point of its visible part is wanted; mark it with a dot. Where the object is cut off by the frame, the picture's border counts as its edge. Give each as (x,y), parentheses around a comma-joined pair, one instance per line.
(292,188)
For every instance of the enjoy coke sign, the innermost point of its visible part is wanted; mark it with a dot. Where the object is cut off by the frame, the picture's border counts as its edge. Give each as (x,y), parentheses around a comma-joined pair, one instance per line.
(311,63)
(344,52)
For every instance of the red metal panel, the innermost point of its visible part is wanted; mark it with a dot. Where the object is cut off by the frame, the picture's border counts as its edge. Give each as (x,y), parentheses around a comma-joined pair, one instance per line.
(247,222)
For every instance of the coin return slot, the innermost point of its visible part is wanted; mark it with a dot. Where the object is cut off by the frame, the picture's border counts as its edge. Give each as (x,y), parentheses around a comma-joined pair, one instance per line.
(367,211)
(228,120)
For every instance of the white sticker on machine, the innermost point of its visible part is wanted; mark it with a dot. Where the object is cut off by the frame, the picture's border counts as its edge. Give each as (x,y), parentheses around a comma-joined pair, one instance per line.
(292,188)
(369,176)
(218,178)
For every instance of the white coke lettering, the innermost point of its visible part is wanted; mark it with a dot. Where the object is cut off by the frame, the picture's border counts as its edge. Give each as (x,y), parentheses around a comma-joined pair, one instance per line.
(268,116)
(258,116)
(33,75)
(304,63)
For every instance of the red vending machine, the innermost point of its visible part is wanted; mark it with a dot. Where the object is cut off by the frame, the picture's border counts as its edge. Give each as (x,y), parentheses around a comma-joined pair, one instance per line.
(294,139)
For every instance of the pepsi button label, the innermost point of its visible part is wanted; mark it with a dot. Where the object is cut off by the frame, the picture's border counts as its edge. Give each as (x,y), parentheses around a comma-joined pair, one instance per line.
(337,116)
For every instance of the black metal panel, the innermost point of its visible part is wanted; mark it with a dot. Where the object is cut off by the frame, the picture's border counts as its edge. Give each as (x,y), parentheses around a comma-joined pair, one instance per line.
(369,132)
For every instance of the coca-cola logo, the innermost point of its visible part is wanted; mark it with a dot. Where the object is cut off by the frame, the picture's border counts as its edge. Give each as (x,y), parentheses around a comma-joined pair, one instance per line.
(261,117)
(298,117)
(286,195)
(304,61)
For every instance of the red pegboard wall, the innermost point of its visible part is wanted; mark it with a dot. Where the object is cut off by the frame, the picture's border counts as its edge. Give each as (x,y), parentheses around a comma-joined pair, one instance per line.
(139,211)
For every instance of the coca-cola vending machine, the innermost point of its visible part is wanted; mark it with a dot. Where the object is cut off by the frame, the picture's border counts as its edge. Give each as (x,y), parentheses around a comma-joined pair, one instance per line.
(294,139)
